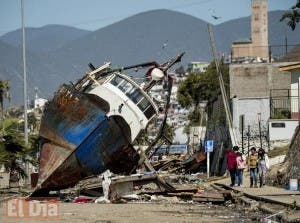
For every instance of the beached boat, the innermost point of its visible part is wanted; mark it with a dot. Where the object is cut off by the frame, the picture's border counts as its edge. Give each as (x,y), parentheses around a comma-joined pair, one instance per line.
(89,127)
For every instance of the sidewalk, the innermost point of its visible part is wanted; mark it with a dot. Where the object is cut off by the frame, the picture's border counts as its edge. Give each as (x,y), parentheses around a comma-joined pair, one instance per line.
(266,193)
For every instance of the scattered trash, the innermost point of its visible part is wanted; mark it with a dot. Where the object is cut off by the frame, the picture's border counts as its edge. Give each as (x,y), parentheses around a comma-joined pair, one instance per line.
(268,218)
(106,183)
(293,184)
(131,197)
(102,200)
(80,200)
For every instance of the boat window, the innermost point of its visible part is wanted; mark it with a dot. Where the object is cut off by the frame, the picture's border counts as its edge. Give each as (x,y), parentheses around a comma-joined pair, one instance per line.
(135,95)
(144,104)
(150,111)
(116,80)
(125,86)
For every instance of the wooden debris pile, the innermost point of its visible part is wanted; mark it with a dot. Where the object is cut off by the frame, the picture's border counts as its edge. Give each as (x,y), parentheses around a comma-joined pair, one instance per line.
(174,164)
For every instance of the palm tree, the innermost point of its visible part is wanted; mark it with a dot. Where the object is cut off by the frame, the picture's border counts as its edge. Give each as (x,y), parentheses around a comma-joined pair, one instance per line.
(4,93)
(293,16)
(13,156)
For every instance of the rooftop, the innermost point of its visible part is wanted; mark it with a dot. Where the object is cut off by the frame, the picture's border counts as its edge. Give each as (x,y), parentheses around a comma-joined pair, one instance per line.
(242,40)
(290,67)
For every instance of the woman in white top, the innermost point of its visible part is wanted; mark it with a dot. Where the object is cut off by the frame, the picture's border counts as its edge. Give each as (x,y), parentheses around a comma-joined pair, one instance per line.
(263,166)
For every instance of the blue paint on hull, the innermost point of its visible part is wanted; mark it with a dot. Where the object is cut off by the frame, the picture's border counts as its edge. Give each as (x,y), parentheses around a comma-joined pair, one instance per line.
(73,122)
(97,149)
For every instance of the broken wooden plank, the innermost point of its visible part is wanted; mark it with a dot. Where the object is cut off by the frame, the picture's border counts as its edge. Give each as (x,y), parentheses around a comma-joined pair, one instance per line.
(185,195)
(208,199)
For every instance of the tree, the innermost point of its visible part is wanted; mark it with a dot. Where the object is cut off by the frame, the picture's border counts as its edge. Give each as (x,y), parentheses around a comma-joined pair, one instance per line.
(13,152)
(13,156)
(292,16)
(201,87)
(4,93)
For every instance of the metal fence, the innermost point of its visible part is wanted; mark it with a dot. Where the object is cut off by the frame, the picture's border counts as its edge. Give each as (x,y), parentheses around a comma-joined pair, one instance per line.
(283,103)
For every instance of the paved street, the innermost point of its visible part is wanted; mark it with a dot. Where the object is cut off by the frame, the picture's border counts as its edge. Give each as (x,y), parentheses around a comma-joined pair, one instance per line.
(275,194)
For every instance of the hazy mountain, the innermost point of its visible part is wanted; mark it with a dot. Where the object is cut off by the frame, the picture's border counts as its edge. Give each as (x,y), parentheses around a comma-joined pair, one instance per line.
(154,35)
(39,73)
(141,37)
(44,39)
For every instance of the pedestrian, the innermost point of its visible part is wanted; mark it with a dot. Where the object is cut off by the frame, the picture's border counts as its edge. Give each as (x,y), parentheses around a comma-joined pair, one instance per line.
(231,164)
(263,166)
(241,165)
(252,165)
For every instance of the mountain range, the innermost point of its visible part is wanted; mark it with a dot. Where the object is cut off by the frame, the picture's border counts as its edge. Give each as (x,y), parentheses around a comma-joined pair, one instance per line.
(57,54)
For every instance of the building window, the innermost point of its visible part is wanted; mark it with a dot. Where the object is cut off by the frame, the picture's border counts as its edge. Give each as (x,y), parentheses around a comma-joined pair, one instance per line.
(278,125)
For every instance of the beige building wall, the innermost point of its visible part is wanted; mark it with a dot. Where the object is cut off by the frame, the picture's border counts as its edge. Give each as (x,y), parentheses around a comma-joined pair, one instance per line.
(256,80)
(242,50)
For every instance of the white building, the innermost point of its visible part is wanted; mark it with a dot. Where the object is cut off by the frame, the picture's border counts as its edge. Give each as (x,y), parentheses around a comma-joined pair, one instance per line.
(40,102)
(283,128)
(197,67)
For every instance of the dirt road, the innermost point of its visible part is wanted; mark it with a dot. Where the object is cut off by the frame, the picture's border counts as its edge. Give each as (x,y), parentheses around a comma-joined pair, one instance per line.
(148,212)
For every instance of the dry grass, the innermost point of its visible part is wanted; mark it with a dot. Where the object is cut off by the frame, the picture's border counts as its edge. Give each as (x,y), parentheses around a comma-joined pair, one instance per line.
(277,151)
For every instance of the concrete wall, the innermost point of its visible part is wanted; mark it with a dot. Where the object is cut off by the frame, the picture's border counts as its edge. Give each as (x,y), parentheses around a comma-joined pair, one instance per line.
(256,80)
(242,50)
(180,136)
(250,107)
(294,92)
(4,180)
(282,129)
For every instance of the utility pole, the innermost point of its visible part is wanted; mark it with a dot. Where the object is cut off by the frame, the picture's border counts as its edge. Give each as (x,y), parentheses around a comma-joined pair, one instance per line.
(24,77)
(259,128)
(242,130)
(299,101)
(222,87)
(248,139)
(25,88)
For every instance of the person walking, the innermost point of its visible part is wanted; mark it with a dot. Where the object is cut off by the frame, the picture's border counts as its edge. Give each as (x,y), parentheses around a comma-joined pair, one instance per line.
(263,166)
(241,165)
(231,164)
(252,165)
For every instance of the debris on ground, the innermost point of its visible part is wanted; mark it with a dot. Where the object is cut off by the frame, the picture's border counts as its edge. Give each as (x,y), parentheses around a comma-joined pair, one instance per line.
(162,187)
(179,164)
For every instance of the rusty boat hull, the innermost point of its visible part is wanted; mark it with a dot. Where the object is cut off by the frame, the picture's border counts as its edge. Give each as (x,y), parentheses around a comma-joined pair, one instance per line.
(78,139)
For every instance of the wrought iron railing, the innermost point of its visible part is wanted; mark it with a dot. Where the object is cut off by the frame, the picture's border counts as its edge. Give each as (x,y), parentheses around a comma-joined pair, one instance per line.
(283,103)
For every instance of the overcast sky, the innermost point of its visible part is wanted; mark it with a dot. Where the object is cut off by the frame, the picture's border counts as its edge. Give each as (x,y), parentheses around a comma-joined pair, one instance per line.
(94,14)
